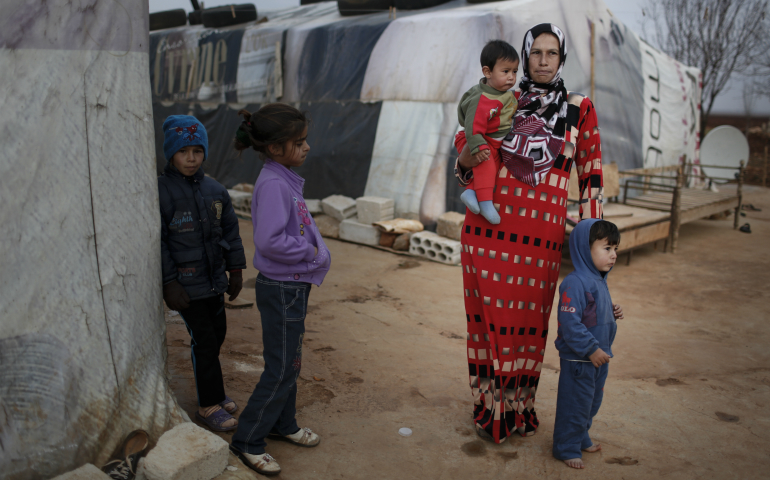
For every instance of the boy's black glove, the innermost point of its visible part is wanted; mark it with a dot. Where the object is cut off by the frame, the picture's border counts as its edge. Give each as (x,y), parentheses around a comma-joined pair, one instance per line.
(175,296)
(235,285)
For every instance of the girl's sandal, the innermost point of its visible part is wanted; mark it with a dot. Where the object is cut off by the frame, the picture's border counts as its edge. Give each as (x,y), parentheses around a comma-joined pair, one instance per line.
(216,419)
(227,401)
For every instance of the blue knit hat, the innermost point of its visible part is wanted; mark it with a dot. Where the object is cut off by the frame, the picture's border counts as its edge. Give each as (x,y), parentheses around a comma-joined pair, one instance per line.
(183,131)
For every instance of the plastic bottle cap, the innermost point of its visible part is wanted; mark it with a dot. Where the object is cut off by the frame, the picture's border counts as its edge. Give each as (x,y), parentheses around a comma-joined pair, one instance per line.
(405,432)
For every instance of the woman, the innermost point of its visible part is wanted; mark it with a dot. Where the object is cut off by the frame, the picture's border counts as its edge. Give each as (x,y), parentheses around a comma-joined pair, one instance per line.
(510,270)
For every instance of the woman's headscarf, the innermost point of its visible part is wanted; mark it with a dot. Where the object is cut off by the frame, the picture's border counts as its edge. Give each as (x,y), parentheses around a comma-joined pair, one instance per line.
(537,135)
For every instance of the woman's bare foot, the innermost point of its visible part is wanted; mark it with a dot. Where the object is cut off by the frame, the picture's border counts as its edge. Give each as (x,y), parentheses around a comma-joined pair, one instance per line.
(205,412)
(593,448)
(575,462)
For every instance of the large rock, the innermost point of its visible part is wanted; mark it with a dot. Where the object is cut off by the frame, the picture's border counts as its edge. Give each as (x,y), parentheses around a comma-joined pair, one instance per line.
(327,226)
(353,231)
(86,472)
(374,209)
(450,225)
(186,452)
(339,206)
(313,206)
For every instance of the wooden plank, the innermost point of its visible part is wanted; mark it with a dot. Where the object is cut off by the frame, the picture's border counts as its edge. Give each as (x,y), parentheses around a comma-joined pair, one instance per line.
(650,171)
(641,236)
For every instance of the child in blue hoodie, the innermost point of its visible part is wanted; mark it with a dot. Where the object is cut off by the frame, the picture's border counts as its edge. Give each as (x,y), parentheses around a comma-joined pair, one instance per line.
(584,339)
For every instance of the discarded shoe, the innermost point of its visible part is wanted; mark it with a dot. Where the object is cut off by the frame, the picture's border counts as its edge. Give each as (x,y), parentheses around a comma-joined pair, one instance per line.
(227,400)
(746,228)
(750,207)
(124,466)
(304,437)
(262,464)
(216,419)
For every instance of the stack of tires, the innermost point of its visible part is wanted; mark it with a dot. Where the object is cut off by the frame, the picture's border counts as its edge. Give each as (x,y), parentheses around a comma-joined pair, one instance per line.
(216,17)
(361,7)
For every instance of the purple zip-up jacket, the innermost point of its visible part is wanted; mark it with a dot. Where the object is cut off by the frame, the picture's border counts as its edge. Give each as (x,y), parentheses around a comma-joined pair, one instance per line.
(285,235)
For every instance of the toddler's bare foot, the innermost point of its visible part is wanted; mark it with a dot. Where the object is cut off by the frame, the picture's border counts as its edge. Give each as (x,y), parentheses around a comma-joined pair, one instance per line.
(593,448)
(575,462)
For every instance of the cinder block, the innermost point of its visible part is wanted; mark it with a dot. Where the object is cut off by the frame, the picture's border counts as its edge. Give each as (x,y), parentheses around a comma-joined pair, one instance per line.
(450,225)
(435,247)
(353,231)
(187,452)
(327,226)
(86,472)
(313,206)
(241,200)
(374,209)
(244,187)
(339,207)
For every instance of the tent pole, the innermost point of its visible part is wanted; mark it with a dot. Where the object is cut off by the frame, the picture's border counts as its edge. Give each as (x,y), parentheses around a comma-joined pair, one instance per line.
(593,86)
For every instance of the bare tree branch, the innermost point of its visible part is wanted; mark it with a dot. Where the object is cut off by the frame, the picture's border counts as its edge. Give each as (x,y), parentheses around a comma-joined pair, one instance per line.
(721,37)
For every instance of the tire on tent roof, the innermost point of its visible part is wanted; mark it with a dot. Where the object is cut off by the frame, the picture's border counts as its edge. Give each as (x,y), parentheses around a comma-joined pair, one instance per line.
(417,4)
(194,17)
(223,16)
(168,19)
(362,7)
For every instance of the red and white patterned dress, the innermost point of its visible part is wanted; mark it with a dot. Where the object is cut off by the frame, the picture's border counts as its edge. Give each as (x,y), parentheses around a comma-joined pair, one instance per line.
(510,272)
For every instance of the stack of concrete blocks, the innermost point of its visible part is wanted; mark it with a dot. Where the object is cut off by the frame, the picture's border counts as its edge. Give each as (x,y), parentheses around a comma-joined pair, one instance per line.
(241,200)
(369,210)
(339,207)
(313,206)
(86,472)
(450,225)
(435,247)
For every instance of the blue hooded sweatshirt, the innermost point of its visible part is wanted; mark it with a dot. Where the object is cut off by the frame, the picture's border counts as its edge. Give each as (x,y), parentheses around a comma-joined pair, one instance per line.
(586,319)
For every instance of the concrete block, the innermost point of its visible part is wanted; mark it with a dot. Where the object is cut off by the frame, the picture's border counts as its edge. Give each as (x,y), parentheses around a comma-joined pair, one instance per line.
(313,206)
(244,187)
(339,206)
(187,452)
(86,472)
(435,247)
(327,226)
(241,200)
(374,209)
(450,225)
(353,231)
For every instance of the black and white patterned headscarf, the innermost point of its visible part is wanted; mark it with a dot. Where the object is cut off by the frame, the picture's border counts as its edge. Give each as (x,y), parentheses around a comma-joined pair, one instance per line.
(537,135)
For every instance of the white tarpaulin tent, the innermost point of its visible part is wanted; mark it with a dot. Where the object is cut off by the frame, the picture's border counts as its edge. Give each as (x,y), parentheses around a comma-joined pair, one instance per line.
(82,344)
(383,92)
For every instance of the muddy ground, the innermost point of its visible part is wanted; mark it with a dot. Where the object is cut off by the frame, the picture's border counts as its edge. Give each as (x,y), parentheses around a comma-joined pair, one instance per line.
(688,394)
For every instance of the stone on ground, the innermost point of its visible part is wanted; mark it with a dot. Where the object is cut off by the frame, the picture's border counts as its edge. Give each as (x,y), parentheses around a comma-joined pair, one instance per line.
(339,206)
(86,472)
(402,242)
(186,452)
(327,226)
(353,231)
(450,225)
(241,200)
(374,209)
(244,187)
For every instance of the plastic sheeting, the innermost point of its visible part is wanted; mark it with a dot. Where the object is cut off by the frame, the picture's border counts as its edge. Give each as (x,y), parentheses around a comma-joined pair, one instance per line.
(313,56)
(82,348)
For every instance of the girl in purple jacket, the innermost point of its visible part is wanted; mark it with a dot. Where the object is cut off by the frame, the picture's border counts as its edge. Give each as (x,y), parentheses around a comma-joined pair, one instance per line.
(290,256)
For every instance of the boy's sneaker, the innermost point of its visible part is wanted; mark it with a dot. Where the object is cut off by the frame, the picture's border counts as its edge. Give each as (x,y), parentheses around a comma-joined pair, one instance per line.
(262,464)
(304,437)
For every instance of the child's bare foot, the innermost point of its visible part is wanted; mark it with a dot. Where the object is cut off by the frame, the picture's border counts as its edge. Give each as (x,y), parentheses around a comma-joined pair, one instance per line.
(575,462)
(593,448)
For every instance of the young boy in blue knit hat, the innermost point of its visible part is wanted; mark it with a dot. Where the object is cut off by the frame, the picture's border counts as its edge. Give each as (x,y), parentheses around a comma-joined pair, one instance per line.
(584,339)
(199,243)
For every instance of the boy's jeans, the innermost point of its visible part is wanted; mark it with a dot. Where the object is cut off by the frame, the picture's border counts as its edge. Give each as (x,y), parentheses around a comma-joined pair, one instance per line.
(272,406)
(207,325)
(581,388)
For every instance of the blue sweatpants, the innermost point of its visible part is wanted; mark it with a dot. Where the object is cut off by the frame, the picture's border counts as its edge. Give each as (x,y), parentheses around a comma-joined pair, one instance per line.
(581,388)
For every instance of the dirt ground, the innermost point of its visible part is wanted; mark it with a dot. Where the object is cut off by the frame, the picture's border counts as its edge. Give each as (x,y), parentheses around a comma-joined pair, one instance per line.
(688,394)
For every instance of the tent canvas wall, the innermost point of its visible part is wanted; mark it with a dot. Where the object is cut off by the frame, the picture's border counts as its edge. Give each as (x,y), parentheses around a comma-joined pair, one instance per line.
(383,92)
(82,344)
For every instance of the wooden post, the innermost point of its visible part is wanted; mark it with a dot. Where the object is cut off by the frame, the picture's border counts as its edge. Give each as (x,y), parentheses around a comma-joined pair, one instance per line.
(740,196)
(593,48)
(676,207)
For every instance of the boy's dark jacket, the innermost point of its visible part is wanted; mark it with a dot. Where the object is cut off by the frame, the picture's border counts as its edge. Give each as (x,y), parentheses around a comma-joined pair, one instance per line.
(199,236)
(586,319)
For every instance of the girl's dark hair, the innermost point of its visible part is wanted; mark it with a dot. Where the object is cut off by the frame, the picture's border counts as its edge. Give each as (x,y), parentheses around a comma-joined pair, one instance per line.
(604,229)
(274,123)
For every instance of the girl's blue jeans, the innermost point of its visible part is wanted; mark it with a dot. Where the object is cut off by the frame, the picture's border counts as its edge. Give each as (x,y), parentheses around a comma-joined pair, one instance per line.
(581,389)
(272,406)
